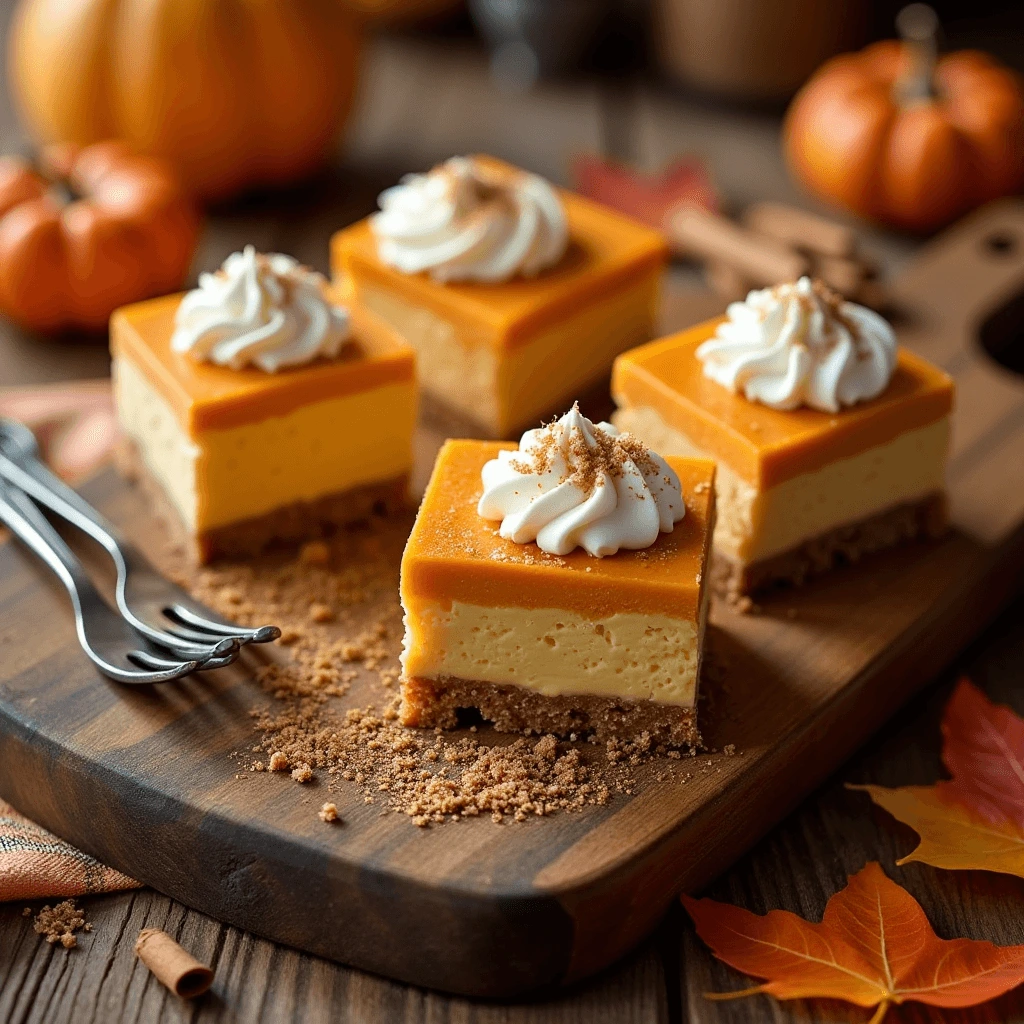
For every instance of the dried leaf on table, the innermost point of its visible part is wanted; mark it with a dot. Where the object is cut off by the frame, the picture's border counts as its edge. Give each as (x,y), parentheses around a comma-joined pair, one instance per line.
(976,819)
(873,947)
(75,423)
(645,197)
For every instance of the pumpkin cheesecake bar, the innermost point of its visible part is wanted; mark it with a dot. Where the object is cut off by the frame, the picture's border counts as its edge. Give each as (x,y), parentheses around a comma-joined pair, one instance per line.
(258,410)
(516,295)
(559,587)
(830,440)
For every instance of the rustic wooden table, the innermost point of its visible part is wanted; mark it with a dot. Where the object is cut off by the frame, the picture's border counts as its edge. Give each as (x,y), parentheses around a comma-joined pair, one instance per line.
(423,101)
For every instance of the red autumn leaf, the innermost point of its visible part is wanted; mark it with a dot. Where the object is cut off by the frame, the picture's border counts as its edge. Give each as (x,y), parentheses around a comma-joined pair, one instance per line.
(74,423)
(646,198)
(873,947)
(976,818)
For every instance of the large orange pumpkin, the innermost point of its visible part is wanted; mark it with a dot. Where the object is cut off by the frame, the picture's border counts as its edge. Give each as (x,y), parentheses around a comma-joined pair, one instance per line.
(905,142)
(237,93)
(128,233)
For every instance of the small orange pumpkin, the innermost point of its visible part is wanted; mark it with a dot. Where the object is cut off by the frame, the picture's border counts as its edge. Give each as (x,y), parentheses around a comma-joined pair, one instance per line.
(900,138)
(235,93)
(128,233)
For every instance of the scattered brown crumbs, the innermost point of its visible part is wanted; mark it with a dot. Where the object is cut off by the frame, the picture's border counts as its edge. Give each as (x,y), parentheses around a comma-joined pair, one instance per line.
(321,612)
(729,749)
(332,707)
(27,912)
(328,813)
(59,923)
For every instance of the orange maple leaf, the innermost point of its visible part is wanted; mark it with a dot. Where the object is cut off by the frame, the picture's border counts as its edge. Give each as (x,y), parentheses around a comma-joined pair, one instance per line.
(976,819)
(874,947)
(74,422)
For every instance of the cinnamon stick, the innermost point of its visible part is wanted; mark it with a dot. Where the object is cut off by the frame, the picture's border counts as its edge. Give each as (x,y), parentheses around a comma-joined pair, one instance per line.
(181,972)
(801,229)
(726,281)
(714,239)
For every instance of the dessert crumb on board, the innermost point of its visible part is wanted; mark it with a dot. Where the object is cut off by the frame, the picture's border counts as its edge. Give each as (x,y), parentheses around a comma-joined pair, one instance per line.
(58,924)
(329,813)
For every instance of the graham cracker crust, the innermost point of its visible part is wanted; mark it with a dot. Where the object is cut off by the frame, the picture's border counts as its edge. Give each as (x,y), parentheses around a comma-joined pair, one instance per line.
(291,524)
(435,703)
(918,520)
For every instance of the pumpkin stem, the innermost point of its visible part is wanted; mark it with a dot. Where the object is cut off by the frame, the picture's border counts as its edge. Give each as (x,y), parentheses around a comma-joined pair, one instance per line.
(918,26)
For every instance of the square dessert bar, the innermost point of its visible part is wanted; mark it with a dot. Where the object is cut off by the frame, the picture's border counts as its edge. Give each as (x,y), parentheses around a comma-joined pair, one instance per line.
(801,488)
(604,646)
(500,357)
(242,458)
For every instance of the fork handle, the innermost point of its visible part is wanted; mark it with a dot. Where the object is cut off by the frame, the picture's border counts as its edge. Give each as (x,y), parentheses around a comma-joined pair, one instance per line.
(33,529)
(36,480)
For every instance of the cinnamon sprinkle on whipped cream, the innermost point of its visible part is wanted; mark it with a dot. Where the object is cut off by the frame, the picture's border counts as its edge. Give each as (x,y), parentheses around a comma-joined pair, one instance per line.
(575,483)
(801,344)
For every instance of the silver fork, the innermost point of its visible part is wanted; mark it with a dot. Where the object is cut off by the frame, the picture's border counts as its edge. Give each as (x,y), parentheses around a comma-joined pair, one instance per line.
(105,637)
(143,596)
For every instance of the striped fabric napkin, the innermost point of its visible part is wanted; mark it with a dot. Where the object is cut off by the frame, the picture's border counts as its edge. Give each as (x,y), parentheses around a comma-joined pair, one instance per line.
(76,428)
(34,864)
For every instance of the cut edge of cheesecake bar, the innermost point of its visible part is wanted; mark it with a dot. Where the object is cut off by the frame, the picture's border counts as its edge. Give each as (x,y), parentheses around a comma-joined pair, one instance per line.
(290,524)
(924,519)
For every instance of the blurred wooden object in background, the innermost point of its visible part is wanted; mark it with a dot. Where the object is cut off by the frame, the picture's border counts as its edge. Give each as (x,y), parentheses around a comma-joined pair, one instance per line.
(753,50)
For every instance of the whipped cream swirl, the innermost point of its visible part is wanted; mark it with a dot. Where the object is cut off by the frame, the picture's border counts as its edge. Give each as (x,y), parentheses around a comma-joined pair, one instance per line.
(801,344)
(260,310)
(468,221)
(575,484)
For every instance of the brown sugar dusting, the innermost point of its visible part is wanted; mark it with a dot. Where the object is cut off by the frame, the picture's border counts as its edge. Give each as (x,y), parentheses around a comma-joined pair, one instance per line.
(60,923)
(586,462)
(329,724)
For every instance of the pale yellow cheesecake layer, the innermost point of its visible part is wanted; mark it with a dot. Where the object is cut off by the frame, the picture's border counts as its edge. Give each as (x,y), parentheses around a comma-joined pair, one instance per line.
(556,652)
(228,475)
(755,524)
(509,389)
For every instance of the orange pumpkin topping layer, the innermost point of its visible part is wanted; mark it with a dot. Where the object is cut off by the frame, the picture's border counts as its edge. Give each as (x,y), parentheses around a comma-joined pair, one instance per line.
(454,554)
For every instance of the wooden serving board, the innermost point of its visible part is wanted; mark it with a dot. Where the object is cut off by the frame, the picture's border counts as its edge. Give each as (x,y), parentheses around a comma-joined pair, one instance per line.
(144,778)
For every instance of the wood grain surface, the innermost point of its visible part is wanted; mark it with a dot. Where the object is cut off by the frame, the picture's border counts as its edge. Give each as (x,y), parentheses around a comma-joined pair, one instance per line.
(799,866)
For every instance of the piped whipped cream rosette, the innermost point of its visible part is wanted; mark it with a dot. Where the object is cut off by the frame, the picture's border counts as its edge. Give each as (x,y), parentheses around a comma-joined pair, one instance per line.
(262,310)
(468,221)
(799,345)
(575,483)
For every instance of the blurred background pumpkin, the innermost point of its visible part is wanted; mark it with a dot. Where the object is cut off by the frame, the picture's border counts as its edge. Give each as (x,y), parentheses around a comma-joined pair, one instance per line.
(89,231)
(905,138)
(236,93)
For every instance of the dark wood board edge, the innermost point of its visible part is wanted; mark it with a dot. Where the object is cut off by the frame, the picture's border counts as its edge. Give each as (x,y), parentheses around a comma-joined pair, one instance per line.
(680,861)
